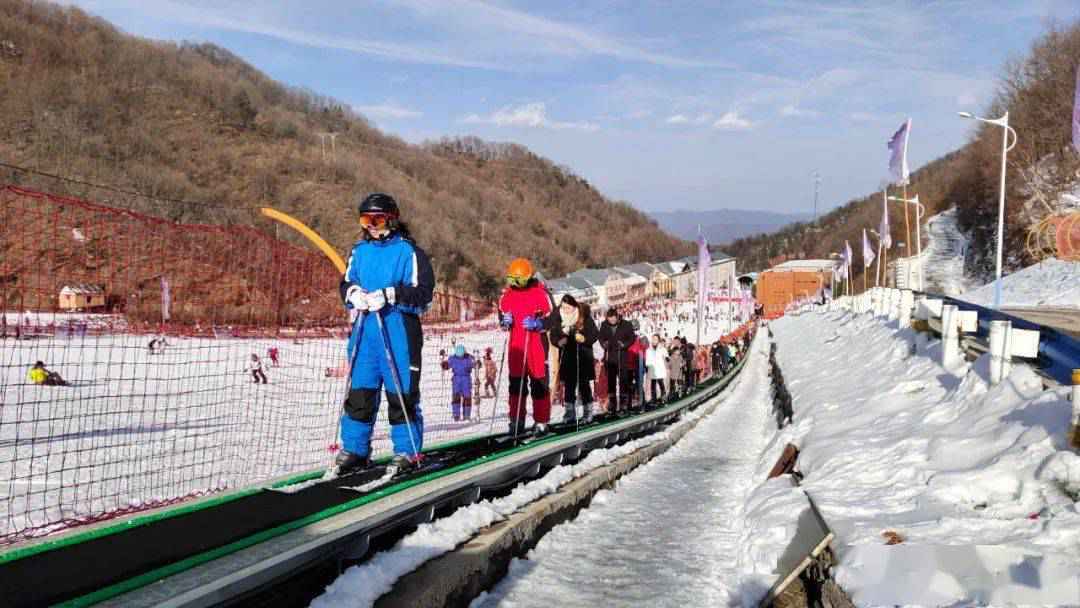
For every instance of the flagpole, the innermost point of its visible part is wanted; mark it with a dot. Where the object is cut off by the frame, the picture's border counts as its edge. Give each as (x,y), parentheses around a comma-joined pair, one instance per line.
(907,235)
(877,269)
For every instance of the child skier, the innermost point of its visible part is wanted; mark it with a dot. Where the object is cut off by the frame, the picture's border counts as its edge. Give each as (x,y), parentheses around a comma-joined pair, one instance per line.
(389,283)
(524,307)
(256,368)
(491,372)
(461,365)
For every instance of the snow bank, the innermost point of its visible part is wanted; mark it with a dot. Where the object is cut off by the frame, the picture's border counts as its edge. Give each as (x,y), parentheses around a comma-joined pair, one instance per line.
(1051,282)
(361,585)
(891,441)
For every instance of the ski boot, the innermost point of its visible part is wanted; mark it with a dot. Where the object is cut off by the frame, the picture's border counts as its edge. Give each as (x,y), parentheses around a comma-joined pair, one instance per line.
(539,429)
(347,462)
(570,415)
(586,413)
(517,427)
(403,464)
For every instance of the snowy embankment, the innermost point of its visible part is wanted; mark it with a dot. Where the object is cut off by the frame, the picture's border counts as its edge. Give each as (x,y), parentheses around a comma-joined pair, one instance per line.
(1052,282)
(944,255)
(976,480)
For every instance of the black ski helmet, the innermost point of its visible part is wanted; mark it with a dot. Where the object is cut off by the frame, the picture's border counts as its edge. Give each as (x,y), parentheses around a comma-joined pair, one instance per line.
(377,202)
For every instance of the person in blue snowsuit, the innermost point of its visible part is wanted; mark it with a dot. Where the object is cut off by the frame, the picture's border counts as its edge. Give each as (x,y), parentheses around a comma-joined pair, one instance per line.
(388,276)
(461,366)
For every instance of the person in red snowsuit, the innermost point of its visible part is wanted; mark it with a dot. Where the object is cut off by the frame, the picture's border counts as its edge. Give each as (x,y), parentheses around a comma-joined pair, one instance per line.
(523,310)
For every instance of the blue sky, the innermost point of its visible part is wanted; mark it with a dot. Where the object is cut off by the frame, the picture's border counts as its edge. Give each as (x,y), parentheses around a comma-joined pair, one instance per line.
(668,105)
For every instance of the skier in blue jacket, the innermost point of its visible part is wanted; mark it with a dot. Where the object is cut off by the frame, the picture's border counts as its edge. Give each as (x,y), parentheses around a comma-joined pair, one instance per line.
(390,276)
(461,364)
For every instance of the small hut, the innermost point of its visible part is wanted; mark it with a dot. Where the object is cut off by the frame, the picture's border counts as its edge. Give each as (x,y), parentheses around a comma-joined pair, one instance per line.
(81,296)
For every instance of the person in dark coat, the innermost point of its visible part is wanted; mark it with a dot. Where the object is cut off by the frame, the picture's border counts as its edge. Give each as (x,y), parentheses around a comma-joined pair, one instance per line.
(574,332)
(616,336)
(689,371)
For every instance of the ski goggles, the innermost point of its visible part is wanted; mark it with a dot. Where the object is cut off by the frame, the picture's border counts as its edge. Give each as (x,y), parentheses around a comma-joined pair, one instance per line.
(513,281)
(375,220)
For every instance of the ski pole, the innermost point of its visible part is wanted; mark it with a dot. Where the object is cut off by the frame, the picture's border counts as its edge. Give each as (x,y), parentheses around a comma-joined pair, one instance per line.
(354,334)
(397,381)
(521,389)
(498,379)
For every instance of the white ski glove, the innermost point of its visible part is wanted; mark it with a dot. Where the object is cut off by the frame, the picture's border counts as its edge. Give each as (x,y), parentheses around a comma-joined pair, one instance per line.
(356,298)
(377,300)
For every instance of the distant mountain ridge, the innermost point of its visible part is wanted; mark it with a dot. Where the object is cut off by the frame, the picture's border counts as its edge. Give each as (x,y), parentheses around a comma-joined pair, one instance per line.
(723,225)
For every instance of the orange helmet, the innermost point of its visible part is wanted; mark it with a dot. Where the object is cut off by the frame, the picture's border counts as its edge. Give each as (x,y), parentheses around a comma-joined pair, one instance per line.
(519,272)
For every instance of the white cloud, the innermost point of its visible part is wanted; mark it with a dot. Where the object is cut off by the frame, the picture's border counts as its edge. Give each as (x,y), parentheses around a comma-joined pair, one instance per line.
(387,110)
(247,23)
(538,35)
(797,112)
(532,115)
(863,117)
(731,121)
(683,119)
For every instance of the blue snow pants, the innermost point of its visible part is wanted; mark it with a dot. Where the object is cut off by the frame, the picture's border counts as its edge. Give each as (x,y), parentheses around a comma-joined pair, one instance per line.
(371,372)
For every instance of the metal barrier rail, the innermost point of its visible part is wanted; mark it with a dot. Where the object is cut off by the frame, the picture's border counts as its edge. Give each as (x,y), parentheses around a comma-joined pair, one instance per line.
(1055,353)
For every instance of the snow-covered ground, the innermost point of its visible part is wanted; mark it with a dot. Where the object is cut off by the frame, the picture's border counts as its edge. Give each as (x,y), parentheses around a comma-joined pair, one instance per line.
(974,478)
(1051,282)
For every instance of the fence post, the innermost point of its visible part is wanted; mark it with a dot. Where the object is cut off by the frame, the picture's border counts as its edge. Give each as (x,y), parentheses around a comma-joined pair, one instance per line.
(999,351)
(907,300)
(950,344)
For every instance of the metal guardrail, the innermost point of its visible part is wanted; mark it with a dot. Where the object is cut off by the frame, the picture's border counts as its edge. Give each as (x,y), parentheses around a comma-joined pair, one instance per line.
(1059,353)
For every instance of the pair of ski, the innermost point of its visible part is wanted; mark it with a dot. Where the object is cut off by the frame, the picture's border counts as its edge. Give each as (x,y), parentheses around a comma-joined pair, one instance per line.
(370,478)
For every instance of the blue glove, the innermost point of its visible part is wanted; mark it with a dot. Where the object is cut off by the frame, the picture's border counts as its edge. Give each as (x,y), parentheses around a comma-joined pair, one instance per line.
(533,324)
(506,320)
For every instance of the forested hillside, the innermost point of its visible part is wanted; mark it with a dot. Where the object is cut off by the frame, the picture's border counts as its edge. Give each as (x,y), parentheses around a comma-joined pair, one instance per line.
(1038,92)
(202,136)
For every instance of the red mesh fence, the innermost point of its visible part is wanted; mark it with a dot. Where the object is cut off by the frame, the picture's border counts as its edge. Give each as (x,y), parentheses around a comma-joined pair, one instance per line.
(152,326)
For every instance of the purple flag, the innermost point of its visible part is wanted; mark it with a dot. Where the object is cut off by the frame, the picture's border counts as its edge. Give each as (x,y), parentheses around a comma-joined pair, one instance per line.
(847,258)
(898,166)
(1076,114)
(883,230)
(867,250)
(704,260)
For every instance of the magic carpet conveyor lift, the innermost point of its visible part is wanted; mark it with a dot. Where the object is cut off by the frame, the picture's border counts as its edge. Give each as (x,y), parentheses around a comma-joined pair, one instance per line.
(221,549)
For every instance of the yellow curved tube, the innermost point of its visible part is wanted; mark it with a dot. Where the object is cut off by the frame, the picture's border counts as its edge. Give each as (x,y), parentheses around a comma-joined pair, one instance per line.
(308,233)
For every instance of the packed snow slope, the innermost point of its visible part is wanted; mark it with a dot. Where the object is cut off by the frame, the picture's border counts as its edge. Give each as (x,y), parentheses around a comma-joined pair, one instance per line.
(977,480)
(1052,282)
(669,533)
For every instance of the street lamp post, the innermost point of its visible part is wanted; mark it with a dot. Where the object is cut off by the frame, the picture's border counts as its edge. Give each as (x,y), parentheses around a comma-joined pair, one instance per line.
(1002,122)
(919,212)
